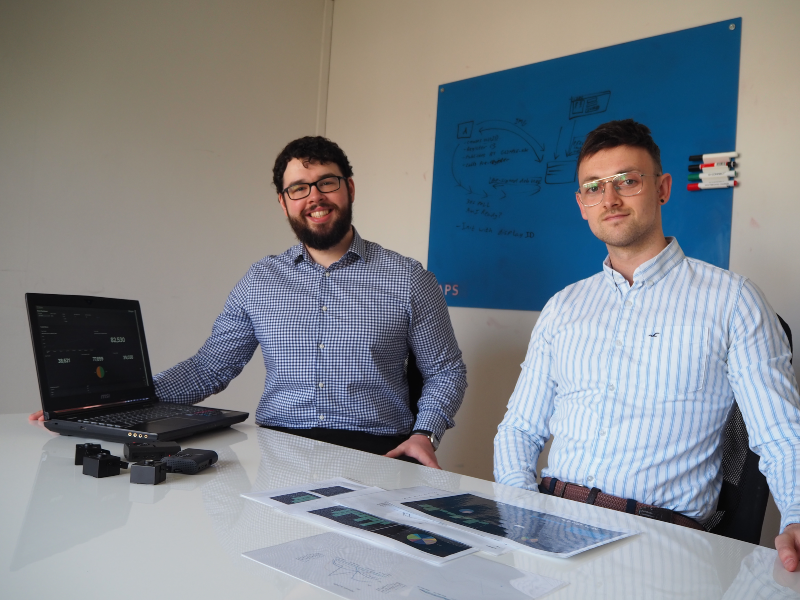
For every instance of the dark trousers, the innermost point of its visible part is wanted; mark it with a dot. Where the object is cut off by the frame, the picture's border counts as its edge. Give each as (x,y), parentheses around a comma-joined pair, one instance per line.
(357,440)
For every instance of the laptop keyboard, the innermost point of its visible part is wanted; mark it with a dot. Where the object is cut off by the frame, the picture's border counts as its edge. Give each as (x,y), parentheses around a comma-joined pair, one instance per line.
(127,419)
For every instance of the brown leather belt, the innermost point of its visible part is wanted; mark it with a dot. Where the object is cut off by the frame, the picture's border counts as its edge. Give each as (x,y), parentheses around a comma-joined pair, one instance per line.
(579,493)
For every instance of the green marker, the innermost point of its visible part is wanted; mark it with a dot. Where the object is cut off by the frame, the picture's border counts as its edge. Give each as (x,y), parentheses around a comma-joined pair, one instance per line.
(720,176)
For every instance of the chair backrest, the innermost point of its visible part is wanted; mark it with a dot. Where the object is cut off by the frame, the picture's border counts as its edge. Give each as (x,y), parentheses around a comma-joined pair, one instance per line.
(744,494)
(415,383)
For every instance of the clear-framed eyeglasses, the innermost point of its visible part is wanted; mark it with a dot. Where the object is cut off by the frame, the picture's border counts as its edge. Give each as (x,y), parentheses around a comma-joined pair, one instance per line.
(298,191)
(625,184)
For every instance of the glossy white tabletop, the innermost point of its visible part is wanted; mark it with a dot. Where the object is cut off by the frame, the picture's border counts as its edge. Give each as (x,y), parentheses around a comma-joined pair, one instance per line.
(63,534)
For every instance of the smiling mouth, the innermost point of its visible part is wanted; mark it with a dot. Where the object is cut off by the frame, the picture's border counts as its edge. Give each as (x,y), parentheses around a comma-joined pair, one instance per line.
(319,213)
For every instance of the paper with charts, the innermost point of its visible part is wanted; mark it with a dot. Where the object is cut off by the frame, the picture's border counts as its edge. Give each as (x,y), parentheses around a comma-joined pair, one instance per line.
(353,569)
(524,528)
(380,504)
(319,503)
(308,495)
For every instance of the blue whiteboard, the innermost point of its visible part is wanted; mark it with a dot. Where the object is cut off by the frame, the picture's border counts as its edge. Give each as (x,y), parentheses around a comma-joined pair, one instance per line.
(505,229)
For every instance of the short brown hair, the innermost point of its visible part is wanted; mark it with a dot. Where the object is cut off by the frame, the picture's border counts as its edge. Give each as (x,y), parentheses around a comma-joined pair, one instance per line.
(626,132)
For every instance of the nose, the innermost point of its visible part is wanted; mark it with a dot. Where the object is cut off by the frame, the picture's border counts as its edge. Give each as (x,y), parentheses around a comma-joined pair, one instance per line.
(610,196)
(314,194)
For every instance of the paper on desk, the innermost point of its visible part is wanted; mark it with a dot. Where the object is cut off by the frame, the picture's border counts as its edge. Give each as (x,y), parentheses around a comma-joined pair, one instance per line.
(379,504)
(307,496)
(520,527)
(418,542)
(359,571)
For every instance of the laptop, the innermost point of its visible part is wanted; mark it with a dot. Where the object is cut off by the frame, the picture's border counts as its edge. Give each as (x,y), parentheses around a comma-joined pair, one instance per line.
(94,373)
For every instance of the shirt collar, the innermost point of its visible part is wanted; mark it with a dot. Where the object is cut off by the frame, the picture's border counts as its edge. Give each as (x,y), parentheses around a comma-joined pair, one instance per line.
(651,271)
(357,249)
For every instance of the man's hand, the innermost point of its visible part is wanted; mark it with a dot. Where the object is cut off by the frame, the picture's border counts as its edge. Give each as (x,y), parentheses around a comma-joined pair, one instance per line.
(788,546)
(419,447)
(37,416)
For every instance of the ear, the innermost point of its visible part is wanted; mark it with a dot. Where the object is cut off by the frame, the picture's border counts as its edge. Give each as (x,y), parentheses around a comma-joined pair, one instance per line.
(351,186)
(282,202)
(665,188)
(581,206)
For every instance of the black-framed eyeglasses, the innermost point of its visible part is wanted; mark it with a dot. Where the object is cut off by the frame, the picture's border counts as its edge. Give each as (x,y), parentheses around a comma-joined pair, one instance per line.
(625,184)
(298,191)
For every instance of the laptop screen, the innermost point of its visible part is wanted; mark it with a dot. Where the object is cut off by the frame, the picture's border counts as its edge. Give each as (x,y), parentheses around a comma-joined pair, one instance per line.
(89,351)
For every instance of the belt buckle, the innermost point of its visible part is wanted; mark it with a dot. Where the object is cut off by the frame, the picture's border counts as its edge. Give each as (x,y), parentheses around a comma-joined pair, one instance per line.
(654,512)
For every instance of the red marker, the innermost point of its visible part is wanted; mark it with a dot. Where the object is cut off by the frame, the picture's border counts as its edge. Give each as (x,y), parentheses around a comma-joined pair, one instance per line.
(696,187)
(717,165)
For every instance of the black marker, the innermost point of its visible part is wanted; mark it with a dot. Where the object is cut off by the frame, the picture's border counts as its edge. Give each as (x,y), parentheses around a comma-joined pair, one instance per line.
(719,156)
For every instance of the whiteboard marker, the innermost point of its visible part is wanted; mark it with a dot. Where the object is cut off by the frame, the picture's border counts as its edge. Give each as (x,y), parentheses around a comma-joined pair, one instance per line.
(711,176)
(716,165)
(719,156)
(716,171)
(694,187)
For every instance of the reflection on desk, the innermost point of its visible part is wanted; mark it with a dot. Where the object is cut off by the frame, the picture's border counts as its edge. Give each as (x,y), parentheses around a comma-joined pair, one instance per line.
(61,530)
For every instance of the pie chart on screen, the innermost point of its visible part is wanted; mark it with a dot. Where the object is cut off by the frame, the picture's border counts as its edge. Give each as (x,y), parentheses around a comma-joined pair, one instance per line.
(426,540)
(101,372)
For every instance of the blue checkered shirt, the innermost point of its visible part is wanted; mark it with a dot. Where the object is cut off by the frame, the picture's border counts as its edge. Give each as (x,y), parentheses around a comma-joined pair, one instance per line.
(636,383)
(334,343)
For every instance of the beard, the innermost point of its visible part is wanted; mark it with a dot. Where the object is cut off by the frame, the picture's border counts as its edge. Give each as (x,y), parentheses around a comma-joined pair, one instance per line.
(330,235)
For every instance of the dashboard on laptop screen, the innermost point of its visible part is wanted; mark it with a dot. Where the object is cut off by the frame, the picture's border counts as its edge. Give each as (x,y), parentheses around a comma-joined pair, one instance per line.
(89,350)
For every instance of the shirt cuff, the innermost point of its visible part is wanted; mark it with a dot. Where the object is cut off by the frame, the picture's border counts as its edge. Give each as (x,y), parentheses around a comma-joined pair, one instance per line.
(791,516)
(431,422)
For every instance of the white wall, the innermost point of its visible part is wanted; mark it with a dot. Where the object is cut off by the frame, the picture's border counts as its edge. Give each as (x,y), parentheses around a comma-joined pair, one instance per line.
(388,59)
(136,148)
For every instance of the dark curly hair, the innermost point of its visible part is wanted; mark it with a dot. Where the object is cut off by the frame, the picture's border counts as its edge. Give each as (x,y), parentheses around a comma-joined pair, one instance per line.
(315,149)
(626,132)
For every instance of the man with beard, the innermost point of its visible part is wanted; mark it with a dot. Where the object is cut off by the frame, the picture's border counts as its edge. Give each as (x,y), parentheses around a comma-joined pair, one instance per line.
(634,371)
(336,317)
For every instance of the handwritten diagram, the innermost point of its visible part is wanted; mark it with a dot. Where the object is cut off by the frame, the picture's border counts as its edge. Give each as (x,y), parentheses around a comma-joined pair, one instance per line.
(355,571)
(506,231)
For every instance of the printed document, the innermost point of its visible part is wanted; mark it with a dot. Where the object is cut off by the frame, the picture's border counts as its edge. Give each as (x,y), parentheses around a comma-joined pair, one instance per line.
(355,570)
(523,528)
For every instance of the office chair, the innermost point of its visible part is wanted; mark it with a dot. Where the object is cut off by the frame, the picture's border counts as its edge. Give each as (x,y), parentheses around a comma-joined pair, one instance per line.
(744,494)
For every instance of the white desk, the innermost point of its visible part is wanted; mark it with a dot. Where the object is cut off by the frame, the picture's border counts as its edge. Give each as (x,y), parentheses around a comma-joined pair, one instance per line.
(66,535)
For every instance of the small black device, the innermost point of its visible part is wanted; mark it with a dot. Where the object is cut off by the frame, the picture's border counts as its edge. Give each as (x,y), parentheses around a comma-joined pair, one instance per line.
(190,461)
(150,472)
(136,451)
(84,450)
(102,465)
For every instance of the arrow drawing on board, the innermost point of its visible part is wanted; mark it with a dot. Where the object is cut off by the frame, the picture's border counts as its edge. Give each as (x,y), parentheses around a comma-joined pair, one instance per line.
(453,168)
(538,149)
(558,141)
(568,151)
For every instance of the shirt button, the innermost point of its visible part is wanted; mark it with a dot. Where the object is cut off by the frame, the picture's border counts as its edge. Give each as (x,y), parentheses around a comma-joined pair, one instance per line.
(650,283)
(322,385)
(322,346)
(590,479)
(628,304)
(322,417)
(603,432)
(610,386)
(619,343)
(327,274)
(324,308)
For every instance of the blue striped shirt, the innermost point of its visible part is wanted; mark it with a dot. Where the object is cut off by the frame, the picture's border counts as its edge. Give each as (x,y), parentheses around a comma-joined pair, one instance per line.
(635,384)
(334,343)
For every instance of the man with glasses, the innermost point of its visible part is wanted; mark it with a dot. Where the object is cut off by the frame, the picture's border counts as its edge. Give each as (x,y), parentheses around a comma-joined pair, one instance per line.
(336,317)
(635,370)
